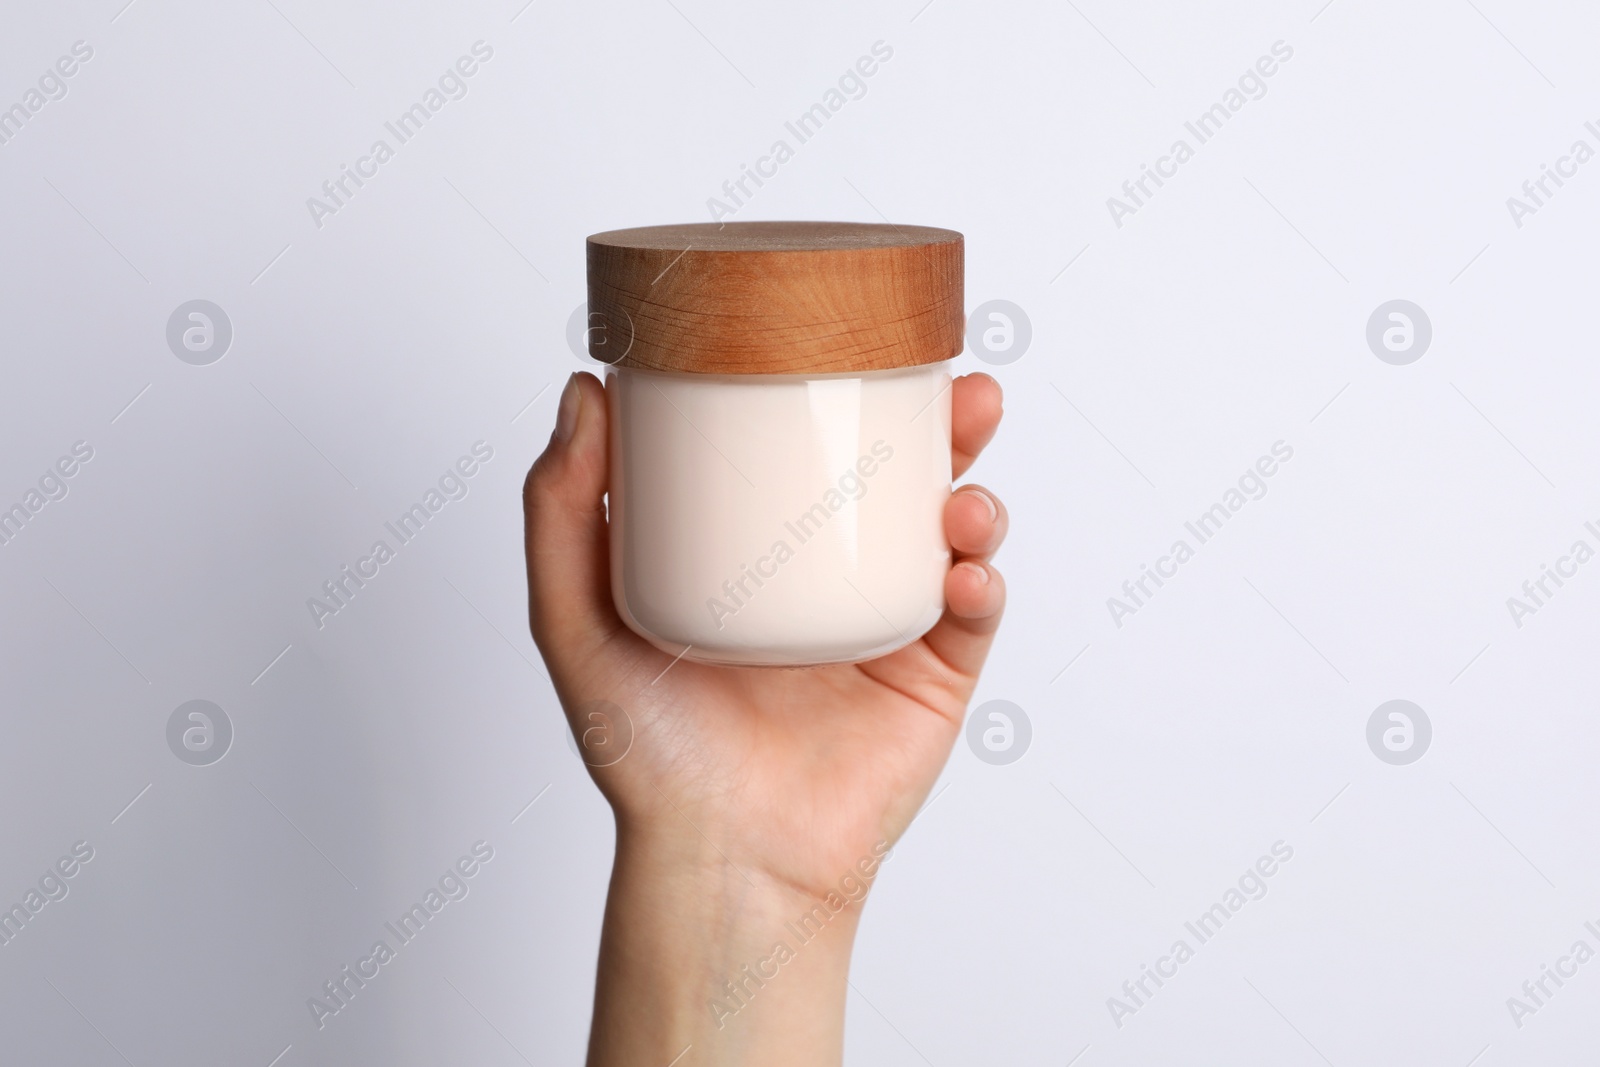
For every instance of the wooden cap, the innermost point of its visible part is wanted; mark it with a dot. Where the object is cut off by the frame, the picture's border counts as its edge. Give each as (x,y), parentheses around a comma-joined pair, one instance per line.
(775,297)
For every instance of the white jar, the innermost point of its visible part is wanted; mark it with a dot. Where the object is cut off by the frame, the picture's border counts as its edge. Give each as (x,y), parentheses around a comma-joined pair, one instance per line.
(778,519)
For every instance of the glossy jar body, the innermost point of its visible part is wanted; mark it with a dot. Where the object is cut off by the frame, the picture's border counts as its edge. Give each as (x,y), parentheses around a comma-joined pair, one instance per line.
(779,520)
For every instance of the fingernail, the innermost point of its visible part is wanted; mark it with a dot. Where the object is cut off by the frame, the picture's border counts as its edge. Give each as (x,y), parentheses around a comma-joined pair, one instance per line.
(567,410)
(980,570)
(996,383)
(988,502)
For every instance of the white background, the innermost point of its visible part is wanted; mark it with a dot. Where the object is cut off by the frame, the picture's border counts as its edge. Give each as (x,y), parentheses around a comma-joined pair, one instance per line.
(1228,313)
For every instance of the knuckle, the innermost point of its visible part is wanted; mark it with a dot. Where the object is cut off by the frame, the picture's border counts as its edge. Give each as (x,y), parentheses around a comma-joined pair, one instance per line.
(540,482)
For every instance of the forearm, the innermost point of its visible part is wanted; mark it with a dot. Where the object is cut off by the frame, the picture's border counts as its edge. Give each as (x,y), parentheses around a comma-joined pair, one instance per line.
(725,963)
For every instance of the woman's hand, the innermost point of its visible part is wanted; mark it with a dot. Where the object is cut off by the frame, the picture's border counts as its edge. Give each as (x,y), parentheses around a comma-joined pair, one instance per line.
(743,796)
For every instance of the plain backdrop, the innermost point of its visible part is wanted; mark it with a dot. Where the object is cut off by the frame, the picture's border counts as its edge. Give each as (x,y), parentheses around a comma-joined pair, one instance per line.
(1171,347)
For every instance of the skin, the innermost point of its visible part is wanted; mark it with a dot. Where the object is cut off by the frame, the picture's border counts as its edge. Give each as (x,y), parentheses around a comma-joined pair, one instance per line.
(743,797)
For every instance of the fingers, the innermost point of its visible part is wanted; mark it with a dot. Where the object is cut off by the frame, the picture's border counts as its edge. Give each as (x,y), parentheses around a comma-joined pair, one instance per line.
(975,595)
(565,536)
(975,409)
(975,522)
(941,669)
(975,598)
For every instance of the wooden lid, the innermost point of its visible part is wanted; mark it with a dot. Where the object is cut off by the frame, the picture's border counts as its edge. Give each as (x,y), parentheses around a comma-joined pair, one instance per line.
(775,297)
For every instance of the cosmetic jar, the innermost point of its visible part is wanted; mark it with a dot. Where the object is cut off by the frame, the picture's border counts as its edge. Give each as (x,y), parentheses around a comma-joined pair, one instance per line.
(779,402)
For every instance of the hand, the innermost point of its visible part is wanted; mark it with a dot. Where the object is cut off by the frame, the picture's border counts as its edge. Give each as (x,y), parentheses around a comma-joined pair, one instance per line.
(746,791)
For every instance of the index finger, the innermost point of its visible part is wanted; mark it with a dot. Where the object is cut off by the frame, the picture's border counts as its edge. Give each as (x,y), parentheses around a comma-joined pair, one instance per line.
(975,410)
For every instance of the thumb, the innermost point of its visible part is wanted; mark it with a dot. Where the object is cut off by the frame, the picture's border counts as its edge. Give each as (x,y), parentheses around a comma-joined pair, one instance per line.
(565,534)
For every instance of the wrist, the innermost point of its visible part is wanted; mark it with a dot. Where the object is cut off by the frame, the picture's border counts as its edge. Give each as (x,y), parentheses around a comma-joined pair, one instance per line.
(700,951)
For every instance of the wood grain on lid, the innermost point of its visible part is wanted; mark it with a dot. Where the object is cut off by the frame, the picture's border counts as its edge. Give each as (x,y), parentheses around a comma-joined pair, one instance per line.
(775,297)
